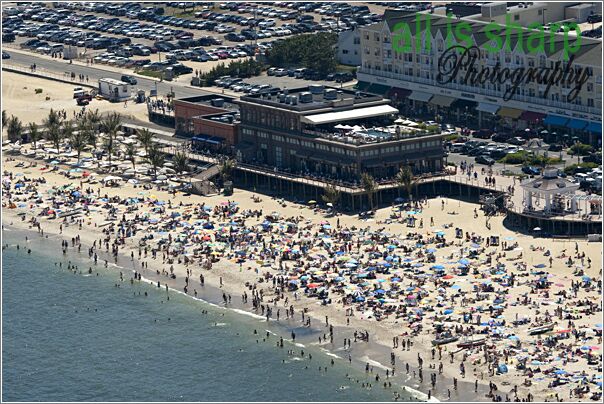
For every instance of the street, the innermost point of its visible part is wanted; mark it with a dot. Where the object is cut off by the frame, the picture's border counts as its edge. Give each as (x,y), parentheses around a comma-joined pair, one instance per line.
(60,66)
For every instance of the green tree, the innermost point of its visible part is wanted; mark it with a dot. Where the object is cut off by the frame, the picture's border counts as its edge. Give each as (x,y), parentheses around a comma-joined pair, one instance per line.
(4,118)
(131,154)
(581,149)
(226,168)
(111,125)
(181,162)
(94,117)
(14,128)
(156,158)
(315,51)
(406,179)
(370,186)
(53,119)
(53,128)
(79,139)
(34,133)
(145,137)
(331,195)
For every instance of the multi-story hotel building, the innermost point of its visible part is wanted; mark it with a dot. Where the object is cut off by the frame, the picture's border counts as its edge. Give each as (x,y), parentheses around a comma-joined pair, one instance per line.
(410,76)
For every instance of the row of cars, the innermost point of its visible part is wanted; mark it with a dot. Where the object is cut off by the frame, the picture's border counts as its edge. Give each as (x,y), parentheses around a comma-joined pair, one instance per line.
(484,152)
(238,85)
(309,74)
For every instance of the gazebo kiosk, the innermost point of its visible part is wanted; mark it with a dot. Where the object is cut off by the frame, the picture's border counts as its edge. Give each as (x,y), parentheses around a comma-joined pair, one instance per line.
(555,191)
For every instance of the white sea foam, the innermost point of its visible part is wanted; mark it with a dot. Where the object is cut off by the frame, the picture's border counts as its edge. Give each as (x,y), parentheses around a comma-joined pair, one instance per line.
(330,353)
(420,395)
(300,345)
(374,363)
(247,313)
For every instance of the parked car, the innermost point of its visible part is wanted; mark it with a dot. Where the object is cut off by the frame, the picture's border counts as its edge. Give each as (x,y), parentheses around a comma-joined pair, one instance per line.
(129,79)
(5,55)
(484,159)
(482,133)
(530,170)
(518,141)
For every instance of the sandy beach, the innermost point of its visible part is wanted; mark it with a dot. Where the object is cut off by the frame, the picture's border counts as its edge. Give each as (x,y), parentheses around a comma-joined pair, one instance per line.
(30,106)
(497,293)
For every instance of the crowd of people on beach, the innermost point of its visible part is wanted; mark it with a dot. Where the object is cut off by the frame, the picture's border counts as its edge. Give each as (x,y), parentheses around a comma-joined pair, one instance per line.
(475,299)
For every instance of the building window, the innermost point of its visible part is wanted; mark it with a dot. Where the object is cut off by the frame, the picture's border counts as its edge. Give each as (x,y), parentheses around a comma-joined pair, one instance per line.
(278,156)
(357,41)
(590,102)
(345,51)
(516,17)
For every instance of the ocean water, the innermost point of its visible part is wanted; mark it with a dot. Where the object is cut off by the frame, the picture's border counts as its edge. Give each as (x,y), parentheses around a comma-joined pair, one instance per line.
(78,337)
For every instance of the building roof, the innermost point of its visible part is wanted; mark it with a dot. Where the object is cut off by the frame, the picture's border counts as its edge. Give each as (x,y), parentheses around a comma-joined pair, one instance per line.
(550,183)
(351,114)
(317,101)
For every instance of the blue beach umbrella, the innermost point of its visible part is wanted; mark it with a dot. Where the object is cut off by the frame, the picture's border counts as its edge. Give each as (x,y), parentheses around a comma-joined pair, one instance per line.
(464,261)
(438,266)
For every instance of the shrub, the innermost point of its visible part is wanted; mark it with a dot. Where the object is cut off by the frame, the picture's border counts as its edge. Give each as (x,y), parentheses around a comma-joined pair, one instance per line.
(244,68)
(579,168)
(514,158)
(39,90)
(581,149)
(433,128)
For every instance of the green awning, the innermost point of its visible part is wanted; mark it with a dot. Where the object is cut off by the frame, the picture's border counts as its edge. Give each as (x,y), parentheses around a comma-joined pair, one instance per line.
(362,85)
(379,89)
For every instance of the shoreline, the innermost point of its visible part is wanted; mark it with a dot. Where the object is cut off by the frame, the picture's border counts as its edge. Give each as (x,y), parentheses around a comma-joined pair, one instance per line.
(211,299)
(225,271)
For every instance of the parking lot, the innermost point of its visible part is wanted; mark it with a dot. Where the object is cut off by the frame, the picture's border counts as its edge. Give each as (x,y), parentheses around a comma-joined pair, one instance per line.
(134,35)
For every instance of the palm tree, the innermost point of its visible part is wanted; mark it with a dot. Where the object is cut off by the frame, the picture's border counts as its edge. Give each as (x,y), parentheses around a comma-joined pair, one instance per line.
(405,178)
(145,137)
(34,133)
(94,117)
(53,119)
(14,128)
(331,195)
(111,125)
(131,154)
(156,158)
(55,135)
(79,140)
(226,168)
(109,147)
(181,162)
(53,128)
(370,186)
